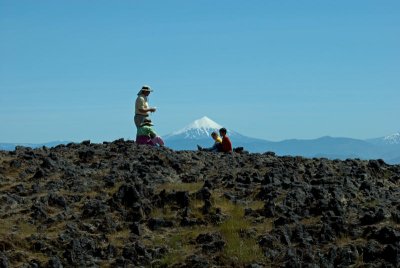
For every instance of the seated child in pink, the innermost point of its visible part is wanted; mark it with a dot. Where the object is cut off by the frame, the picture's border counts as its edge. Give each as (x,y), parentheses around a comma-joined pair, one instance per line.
(146,134)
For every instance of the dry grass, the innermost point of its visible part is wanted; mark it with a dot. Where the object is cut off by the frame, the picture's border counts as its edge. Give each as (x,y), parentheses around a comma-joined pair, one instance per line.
(120,238)
(179,245)
(180,241)
(179,186)
(311,221)
(245,249)
(346,240)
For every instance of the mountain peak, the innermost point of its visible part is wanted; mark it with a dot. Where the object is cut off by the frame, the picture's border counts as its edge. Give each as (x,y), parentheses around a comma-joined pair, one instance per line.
(392,139)
(204,122)
(199,128)
(203,125)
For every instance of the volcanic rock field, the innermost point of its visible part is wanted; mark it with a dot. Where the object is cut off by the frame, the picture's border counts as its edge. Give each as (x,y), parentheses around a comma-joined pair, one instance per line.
(119,204)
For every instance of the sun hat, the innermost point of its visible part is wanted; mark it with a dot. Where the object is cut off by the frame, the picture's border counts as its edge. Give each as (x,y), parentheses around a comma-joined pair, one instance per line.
(145,88)
(146,121)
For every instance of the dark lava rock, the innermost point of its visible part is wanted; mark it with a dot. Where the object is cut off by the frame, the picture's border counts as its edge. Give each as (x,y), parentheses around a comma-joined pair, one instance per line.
(195,261)
(211,242)
(135,228)
(4,263)
(391,254)
(155,224)
(387,235)
(127,195)
(372,217)
(346,256)
(182,199)
(56,200)
(371,251)
(137,254)
(15,163)
(39,211)
(94,208)
(86,156)
(54,262)
(39,174)
(80,252)
(109,181)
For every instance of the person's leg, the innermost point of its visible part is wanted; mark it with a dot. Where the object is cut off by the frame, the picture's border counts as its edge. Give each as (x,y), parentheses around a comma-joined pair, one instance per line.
(158,140)
(139,120)
(142,140)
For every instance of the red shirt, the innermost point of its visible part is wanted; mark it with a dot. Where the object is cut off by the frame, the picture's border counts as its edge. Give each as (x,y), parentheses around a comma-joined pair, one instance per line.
(226,145)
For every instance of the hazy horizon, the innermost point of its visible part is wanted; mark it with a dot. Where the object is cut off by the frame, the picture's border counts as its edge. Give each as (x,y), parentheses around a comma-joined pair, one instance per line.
(172,132)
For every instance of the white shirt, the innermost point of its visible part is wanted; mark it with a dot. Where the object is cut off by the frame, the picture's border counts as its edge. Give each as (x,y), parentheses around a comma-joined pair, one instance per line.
(141,103)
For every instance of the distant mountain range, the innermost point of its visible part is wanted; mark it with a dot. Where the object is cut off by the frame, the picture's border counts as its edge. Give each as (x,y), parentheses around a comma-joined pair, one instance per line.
(11,146)
(198,132)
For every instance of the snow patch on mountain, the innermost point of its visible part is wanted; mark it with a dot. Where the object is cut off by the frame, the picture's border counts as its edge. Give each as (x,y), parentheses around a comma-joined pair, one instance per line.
(392,139)
(200,127)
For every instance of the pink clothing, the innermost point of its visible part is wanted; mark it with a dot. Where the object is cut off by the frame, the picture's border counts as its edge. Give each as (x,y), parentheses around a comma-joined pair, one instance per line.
(149,141)
(158,140)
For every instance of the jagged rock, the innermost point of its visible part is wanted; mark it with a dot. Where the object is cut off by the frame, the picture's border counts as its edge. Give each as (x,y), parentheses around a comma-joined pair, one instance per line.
(210,242)
(48,163)
(54,262)
(4,263)
(80,251)
(39,211)
(94,208)
(387,235)
(109,181)
(86,155)
(372,217)
(182,198)
(346,256)
(391,254)
(195,261)
(135,228)
(155,223)
(56,200)
(137,254)
(127,195)
(207,206)
(15,163)
(39,174)
(186,221)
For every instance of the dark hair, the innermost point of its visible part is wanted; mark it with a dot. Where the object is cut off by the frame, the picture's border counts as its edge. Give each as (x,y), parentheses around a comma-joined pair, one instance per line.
(223,130)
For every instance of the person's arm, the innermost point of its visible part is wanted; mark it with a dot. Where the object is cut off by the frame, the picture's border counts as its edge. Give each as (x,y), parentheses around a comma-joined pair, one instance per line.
(152,133)
(144,110)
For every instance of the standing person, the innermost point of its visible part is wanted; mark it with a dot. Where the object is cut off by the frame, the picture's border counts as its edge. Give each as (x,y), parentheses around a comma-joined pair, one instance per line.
(226,145)
(142,108)
(147,135)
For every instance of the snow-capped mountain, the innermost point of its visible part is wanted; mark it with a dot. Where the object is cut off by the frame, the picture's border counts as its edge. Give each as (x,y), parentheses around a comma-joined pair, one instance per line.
(392,139)
(200,128)
(199,132)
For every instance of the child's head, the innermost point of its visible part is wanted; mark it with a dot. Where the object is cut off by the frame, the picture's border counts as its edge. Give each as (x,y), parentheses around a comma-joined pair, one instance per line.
(222,132)
(214,135)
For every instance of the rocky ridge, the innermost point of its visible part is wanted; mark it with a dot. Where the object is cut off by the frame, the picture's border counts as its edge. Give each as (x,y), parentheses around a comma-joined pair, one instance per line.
(120,204)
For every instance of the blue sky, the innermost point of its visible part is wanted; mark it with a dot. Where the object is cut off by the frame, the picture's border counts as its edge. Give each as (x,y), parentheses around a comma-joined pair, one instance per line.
(70,70)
